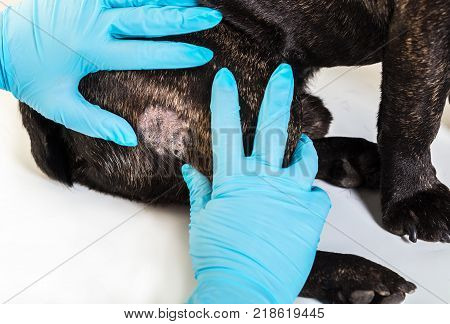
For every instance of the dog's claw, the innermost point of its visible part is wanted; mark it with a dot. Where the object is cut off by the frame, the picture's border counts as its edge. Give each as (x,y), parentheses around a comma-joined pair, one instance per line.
(341,297)
(412,232)
(407,287)
(395,298)
(413,219)
(445,238)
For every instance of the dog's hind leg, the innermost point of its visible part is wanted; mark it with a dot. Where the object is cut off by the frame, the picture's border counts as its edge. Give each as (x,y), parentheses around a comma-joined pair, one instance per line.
(350,279)
(416,84)
(348,162)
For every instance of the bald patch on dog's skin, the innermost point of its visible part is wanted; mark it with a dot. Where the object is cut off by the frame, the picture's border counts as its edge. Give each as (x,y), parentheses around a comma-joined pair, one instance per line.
(164,131)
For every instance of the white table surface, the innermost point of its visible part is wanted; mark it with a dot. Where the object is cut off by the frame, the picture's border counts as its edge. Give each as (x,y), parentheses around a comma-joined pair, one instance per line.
(73,245)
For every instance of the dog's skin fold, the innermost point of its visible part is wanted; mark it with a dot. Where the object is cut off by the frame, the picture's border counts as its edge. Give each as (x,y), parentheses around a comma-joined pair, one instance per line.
(170,111)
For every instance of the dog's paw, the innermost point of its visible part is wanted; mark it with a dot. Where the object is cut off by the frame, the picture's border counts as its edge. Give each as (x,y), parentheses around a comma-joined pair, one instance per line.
(349,279)
(424,216)
(348,162)
(376,285)
(380,291)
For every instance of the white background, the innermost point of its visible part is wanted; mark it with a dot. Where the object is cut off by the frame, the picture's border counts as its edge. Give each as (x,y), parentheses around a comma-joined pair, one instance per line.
(73,243)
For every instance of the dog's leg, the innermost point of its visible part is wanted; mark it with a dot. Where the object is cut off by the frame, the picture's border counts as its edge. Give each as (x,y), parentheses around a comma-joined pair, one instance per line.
(345,278)
(415,86)
(348,162)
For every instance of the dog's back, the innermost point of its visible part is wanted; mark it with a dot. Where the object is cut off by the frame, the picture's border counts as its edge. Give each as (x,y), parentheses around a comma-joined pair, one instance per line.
(314,33)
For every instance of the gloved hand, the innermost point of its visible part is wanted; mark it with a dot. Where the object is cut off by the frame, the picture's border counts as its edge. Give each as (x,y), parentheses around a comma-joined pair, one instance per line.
(48,46)
(254,232)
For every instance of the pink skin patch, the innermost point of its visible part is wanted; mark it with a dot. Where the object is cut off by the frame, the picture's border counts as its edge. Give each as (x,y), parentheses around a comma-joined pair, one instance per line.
(163,131)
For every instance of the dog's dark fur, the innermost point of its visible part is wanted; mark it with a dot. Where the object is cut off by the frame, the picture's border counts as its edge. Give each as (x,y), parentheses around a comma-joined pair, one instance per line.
(170,110)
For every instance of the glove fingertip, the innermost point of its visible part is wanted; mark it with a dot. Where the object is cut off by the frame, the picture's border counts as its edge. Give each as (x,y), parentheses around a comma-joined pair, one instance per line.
(73,111)
(206,55)
(120,132)
(186,170)
(225,80)
(305,148)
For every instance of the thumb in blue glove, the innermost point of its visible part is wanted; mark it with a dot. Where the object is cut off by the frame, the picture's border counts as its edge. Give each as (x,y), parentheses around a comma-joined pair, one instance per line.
(254,231)
(48,46)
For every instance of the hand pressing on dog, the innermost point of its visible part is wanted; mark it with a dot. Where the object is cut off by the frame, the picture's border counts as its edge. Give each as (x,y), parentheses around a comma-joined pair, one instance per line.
(48,46)
(254,231)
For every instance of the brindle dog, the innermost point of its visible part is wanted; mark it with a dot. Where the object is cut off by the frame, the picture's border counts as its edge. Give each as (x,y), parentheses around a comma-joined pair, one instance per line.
(170,111)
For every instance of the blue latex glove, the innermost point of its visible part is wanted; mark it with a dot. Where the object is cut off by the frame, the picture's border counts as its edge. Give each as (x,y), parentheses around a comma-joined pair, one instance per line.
(48,46)
(254,232)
